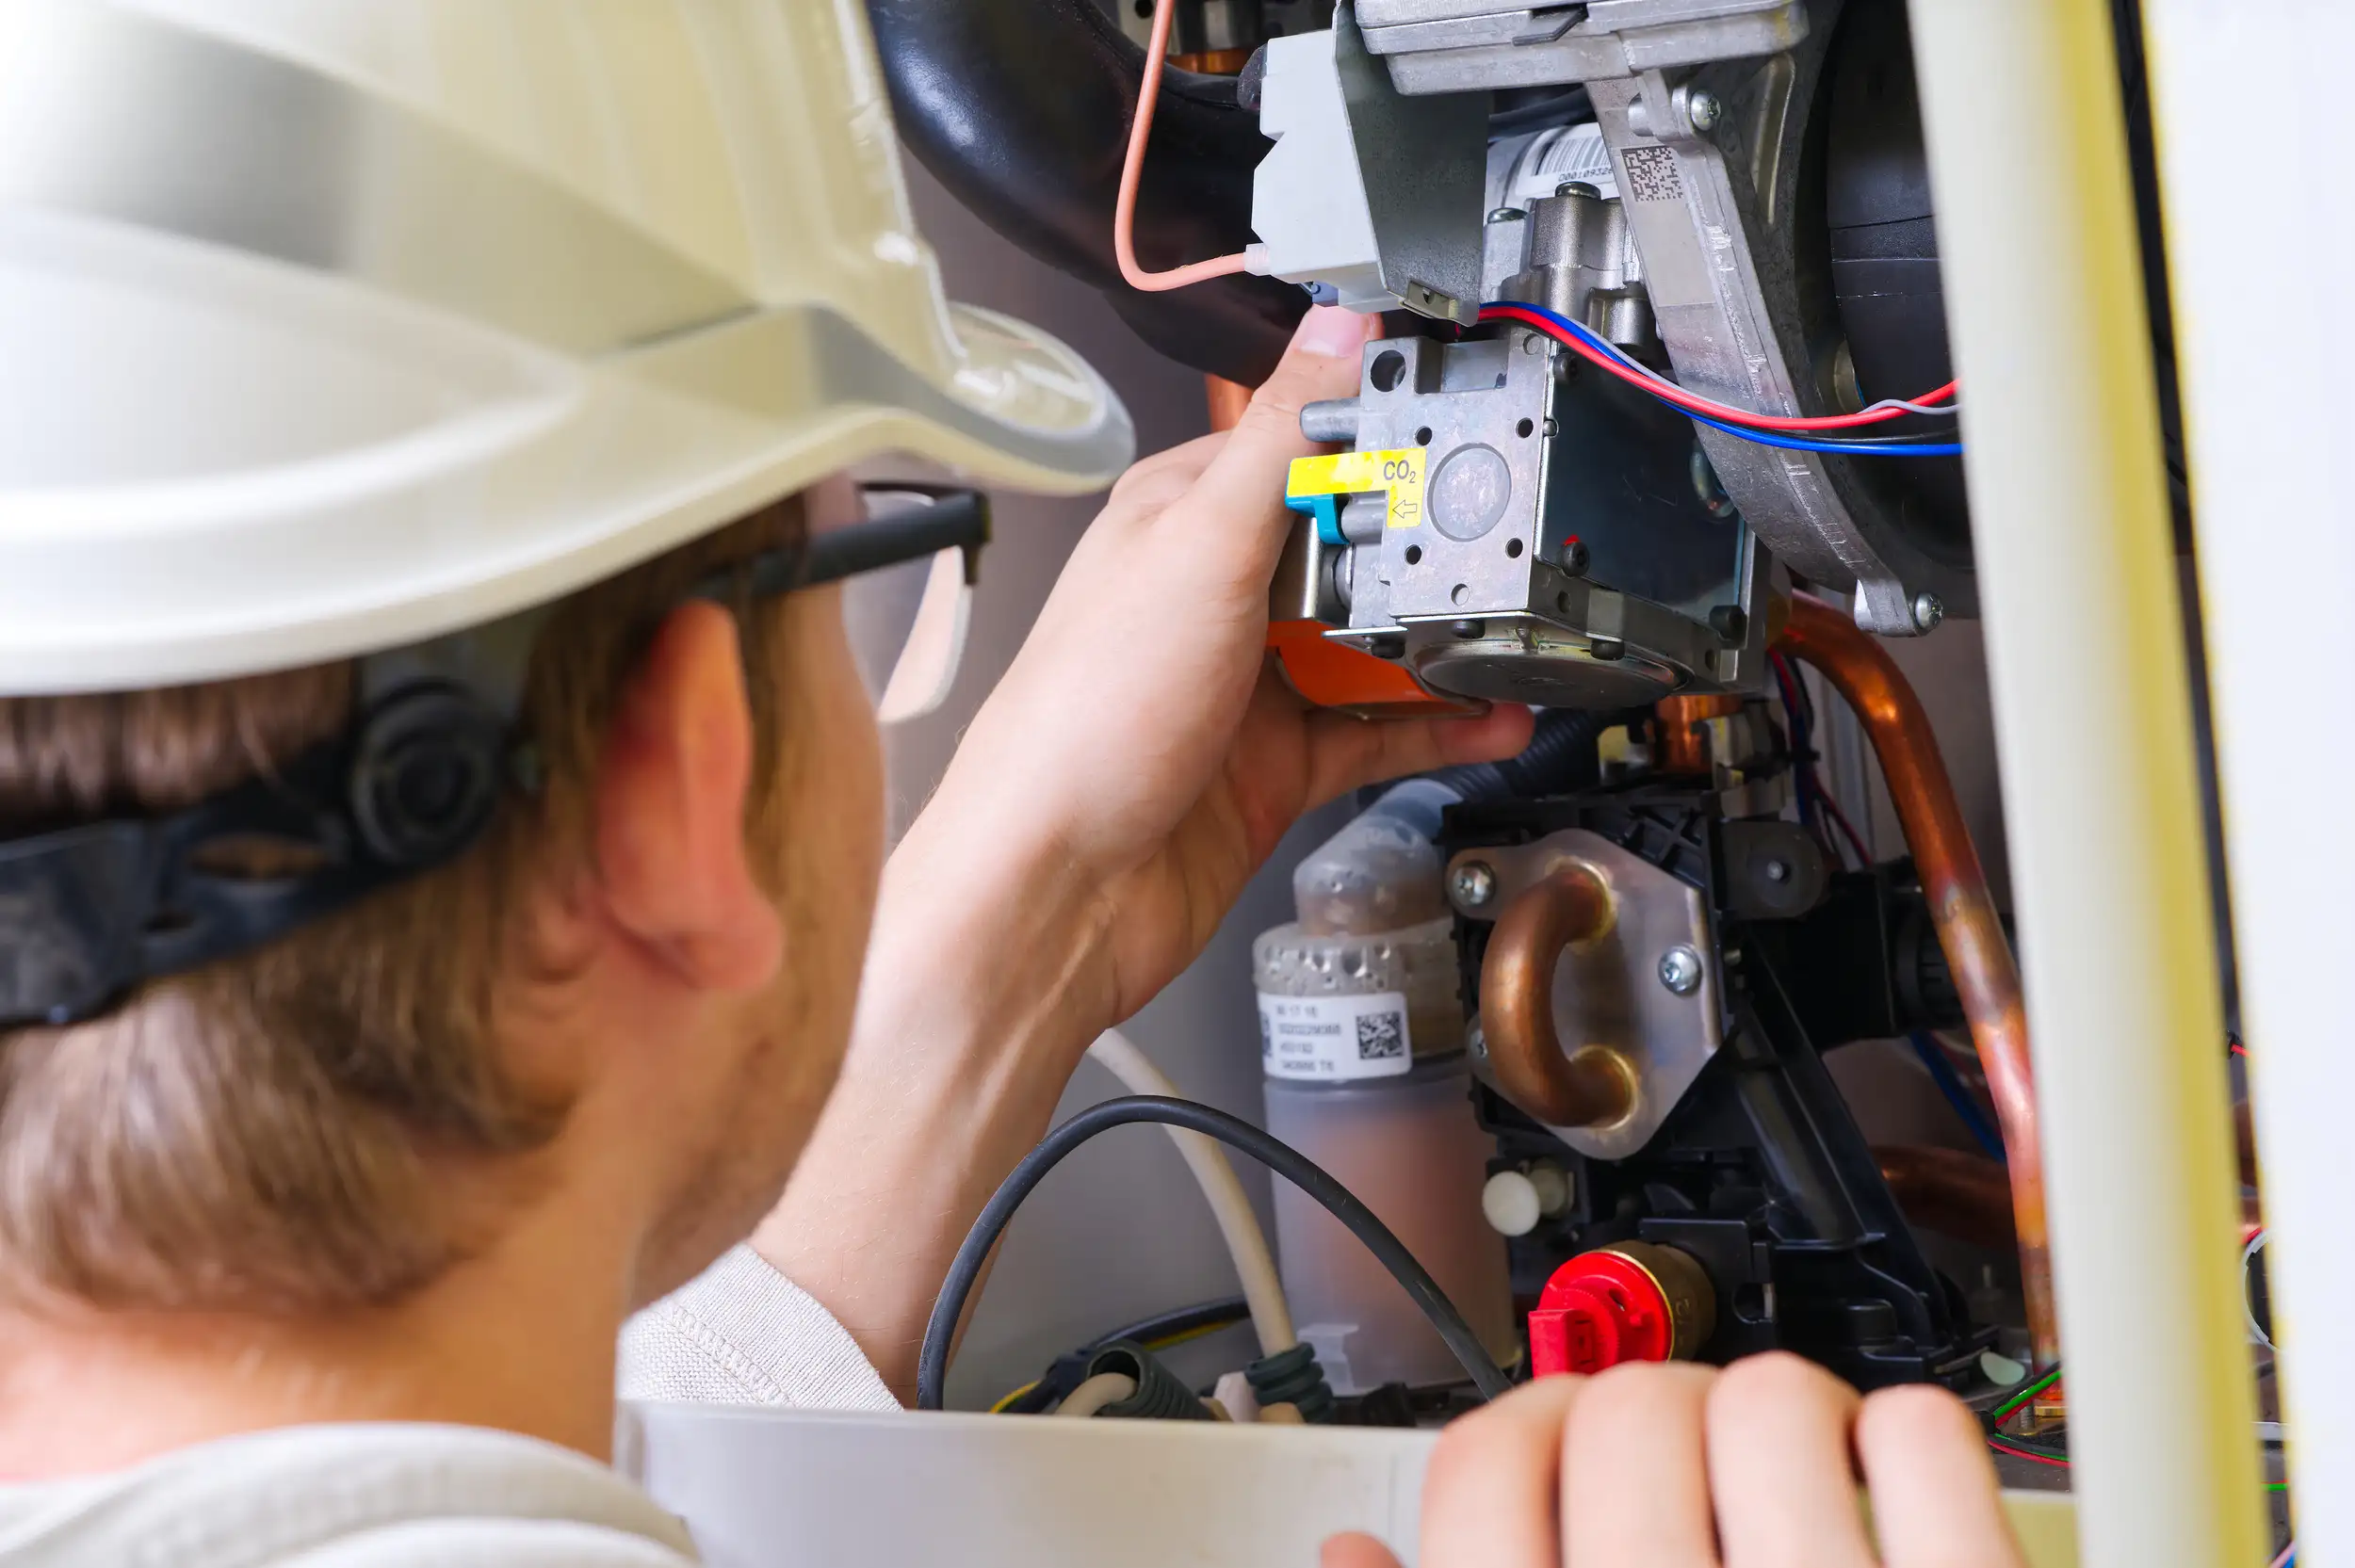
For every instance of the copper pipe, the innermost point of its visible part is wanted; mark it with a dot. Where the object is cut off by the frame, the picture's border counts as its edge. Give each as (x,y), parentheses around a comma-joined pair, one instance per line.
(1960,908)
(1228,399)
(1214,62)
(1964,1196)
(1590,1088)
(1677,723)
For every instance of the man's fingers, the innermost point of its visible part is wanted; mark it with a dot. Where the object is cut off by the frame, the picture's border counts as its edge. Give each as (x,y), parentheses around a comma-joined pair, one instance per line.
(1779,1467)
(1345,752)
(1935,1500)
(1635,1470)
(1238,501)
(1353,1550)
(1152,483)
(1490,1496)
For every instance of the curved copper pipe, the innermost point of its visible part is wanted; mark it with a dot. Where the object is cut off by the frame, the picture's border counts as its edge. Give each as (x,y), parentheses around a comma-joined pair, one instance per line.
(1964,1196)
(1226,400)
(1961,907)
(1677,722)
(1590,1088)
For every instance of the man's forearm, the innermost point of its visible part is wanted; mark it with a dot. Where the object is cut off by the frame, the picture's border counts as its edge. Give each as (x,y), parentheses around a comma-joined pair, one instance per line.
(980,995)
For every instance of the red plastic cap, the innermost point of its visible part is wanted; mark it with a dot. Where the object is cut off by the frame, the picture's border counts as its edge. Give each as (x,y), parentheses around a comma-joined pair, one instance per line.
(1600,1309)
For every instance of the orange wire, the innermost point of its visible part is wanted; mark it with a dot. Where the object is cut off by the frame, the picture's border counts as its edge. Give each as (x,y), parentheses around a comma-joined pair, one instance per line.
(1133,171)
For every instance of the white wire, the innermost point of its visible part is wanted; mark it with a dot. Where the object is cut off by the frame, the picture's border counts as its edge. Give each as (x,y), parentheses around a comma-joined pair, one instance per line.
(1105,1388)
(1255,1266)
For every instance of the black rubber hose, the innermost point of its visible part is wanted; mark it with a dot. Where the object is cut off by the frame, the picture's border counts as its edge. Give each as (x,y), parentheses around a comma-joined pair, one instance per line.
(1559,759)
(1021,108)
(932,1371)
(1159,1397)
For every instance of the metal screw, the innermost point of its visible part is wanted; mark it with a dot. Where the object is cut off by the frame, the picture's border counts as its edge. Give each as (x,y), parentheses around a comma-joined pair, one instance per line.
(1776,871)
(1574,558)
(1472,883)
(1927,612)
(1507,215)
(1704,110)
(1680,970)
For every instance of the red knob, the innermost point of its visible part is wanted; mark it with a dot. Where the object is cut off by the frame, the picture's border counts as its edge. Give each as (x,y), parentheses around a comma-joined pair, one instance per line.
(1631,1302)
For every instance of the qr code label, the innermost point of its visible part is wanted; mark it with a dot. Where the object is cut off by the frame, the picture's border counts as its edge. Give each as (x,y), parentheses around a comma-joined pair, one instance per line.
(1381,1036)
(1335,1036)
(1651,175)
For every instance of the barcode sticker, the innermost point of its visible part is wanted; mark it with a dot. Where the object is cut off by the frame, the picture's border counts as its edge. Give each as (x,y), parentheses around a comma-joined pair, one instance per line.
(1522,168)
(1335,1036)
(1651,175)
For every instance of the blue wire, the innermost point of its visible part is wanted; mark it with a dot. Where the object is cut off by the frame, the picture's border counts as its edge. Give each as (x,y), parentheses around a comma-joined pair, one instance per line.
(1763,438)
(1844,448)
(1950,1084)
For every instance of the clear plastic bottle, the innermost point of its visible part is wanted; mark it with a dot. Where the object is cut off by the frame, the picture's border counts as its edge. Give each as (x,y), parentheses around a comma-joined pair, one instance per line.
(1363,1048)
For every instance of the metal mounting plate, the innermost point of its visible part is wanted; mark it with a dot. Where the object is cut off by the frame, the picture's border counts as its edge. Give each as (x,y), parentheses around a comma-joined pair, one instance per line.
(1609,991)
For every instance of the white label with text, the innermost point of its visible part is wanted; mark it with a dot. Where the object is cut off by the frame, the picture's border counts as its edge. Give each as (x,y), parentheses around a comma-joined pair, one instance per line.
(1335,1036)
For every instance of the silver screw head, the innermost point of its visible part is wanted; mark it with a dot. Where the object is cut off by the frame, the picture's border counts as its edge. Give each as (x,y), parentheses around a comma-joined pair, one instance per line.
(1704,110)
(1927,612)
(1680,970)
(1472,883)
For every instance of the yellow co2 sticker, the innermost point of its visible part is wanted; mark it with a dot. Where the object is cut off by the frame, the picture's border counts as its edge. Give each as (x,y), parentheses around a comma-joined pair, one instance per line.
(1396,474)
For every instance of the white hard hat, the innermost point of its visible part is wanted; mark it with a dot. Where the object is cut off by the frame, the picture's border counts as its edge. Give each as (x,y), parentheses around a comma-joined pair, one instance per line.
(328,326)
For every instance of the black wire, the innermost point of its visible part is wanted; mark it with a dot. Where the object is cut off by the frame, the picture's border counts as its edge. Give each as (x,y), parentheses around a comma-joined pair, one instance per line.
(1162,1325)
(1062,1375)
(1539,114)
(932,1373)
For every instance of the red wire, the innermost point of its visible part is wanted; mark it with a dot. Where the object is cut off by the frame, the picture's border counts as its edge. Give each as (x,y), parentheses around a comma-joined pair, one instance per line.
(2023,1453)
(1694,402)
(1133,172)
(1864,859)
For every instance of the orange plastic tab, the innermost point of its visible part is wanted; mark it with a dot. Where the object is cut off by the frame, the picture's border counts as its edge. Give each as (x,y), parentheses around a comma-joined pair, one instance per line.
(1335,675)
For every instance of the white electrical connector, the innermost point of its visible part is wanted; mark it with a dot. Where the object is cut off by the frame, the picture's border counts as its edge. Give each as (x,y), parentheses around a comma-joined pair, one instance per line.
(1513,1201)
(1235,1395)
(1510,1203)
(1370,197)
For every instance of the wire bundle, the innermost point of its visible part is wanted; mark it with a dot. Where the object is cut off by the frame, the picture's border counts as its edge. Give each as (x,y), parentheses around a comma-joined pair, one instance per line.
(966,1270)
(1792,432)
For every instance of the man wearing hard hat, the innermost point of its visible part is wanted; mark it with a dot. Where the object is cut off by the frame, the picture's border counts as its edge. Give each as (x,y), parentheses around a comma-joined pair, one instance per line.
(440,824)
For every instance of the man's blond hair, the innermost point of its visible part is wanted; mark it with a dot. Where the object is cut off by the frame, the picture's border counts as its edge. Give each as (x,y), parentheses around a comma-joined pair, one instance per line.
(263,1134)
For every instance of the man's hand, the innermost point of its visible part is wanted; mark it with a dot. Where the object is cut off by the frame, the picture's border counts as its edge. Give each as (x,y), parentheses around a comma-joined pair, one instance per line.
(1133,768)
(1671,1465)
(1142,743)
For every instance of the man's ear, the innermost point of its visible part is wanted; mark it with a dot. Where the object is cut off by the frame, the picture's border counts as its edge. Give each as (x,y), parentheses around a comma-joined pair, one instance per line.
(669,809)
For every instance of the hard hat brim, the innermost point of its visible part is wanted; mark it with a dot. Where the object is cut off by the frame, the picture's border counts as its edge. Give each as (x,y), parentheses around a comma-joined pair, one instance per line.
(495,476)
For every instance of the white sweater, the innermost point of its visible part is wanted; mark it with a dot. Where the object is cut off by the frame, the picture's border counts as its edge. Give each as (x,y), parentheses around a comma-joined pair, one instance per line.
(407,1495)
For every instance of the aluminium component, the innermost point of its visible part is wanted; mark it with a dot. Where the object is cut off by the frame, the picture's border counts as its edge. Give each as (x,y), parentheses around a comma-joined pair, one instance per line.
(1605,990)
(1456,46)
(1368,192)
(1744,308)
(1581,261)
(1469,538)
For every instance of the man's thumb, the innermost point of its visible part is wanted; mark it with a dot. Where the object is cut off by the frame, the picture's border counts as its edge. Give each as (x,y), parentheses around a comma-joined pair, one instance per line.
(1246,478)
